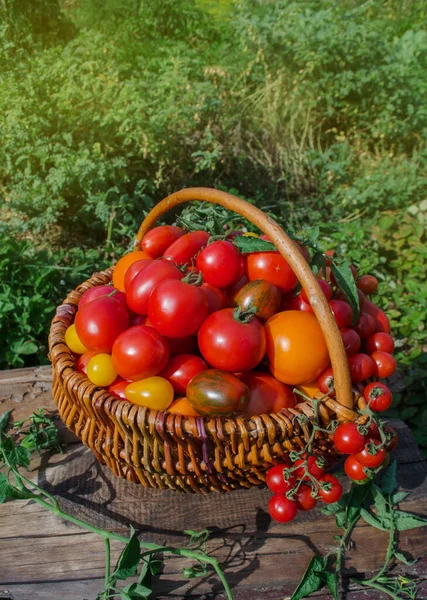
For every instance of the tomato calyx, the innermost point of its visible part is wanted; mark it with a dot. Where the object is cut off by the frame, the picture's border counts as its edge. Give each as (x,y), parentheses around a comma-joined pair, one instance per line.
(244,315)
(193,278)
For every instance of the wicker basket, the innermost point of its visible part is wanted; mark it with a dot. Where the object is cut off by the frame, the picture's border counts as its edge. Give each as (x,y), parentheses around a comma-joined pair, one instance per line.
(189,454)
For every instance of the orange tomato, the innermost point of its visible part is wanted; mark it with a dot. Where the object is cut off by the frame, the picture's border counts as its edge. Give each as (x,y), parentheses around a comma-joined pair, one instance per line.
(181,406)
(296,348)
(310,389)
(122,266)
(267,394)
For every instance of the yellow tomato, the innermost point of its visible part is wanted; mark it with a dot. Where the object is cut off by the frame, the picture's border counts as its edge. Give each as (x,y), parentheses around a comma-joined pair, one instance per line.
(73,341)
(250,234)
(153,392)
(101,371)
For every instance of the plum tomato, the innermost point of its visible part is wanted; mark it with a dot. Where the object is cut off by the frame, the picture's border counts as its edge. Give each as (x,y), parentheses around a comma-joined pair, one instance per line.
(330,489)
(157,240)
(140,352)
(276,480)
(378,396)
(101,290)
(348,439)
(361,367)
(272,267)
(351,341)
(177,308)
(304,498)
(262,295)
(289,334)
(181,406)
(326,382)
(354,469)
(145,281)
(325,287)
(368,284)
(379,341)
(231,342)
(365,325)
(267,394)
(101,371)
(216,298)
(342,312)
(73,341)
(153,392)
(117,388)
(83,360)
(371,456)
(384,364)
(181,369)
(185,249)
(134,269)
(220,264)
(99,322)
(216,393)
(281,509)
(122,266)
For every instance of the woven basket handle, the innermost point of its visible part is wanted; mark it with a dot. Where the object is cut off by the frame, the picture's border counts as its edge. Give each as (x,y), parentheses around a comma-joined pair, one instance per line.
(289,250)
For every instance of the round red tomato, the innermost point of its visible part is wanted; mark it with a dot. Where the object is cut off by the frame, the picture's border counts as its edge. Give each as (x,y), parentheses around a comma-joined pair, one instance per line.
(379,341)
(342,312)
(99,291)
(99,322)
(229,344)
(146,280)
(384,364)
(297,303)
(216,393)
(365,325)
(117,388)
(314,464)
(276,480)
(140,352)
(272,267)
(326,382)
(371,456)
(181,369)
(267,394)
(330,490)
(217,300)
(220,263)
(305,500)
(83,360)
(184,250)
(354,469)
(381,321)
(262,295)
(361,367)
(351,340)
(157,240)
(134,269)
(282,509)
(368,284)
(348,439)
(378,396)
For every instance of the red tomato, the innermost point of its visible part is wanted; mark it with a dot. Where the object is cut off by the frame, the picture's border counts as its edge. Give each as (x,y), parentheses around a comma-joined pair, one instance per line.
(393,441)
(297,303)
(365,325)
(140,352)
(99,291)
(378,396)
(305,500)
(276,481)
(176,308)
(354,469)
(282,509)
(312,465)
(326,289)
(220,264)
(156,241)
(134,269)
(99,322)
(379,341)
(330,490)
(146,280)
(371,456)
(368,284)
(384,364)
(272,267)
(381,321)
(181,369)
(325,381)
(348,439)
(217,300)
(351,340)
(82,361)
(267,394)
(231,345)
(342,312)
(117,388)
(185,249)
(185,345)
(361,367)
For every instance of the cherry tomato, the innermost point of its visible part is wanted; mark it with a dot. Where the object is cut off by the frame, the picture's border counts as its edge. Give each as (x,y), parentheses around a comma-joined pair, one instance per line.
(347,439)
(378,396)
(181,369)
(117,388)
(326,289)
(181,406)
(101,371)
(215,393)
(351,340)
(140,352)
(381,321)
(394,438)
(145,281)
(342,312)
(297,303)
(185,345)
(272,267)
(330,490)
(267,394)
(101,290)
(185,249)
(326,382)
(384,364)
(312,465)
(217,300)
(371,456)
(304,499)
(361,367)
(379,341)
(154,392)
(365,325)
(282,509)
(122,266)
(262,295)
(368,284)
(229,344)
(82,361)
(354,469)
(276,481)
(289,335)
(73,341)
(220,264)
(99,322)
(157,240)
(176,308)
(134,269)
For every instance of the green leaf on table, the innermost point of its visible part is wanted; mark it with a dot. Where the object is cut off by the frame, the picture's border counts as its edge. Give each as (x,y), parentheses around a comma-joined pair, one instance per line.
(135,590)
(404,520)
(247,243)
(402,558)
(10,492)
(313,579)
(332,583)
(4,421)
(17,456)
(355,499)
(380,501)
(371,520)
(398,497)
(345,281)
(129,558)
(389,482)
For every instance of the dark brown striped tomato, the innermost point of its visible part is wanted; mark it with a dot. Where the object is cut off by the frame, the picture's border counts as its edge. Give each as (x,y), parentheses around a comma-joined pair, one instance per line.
(216,393)
(263,295)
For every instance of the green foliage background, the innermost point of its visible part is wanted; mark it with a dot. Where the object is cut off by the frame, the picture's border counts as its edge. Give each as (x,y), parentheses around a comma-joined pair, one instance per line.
(315,110)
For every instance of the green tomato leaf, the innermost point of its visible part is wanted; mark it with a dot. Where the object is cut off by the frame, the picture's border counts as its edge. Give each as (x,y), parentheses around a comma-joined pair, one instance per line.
(404,520)
(402,558)
(389,482)
(371,520)
(318,262)
(398,497)
(345,281)
(4,421)
(129,558)
(380,502)
(357,496)
(10,492)
(136,590)
(332,582)
(17,456)
(313,578)
(246,244)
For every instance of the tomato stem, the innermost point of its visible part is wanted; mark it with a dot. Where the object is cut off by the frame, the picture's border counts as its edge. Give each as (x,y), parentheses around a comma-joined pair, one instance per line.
(244,315)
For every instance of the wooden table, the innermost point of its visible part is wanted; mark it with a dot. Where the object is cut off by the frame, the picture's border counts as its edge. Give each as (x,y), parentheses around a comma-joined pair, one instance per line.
(45,558)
